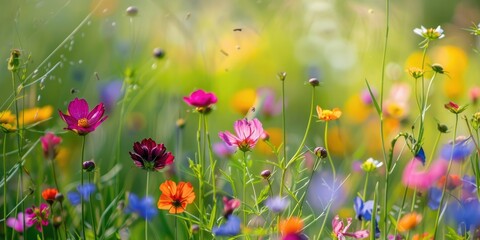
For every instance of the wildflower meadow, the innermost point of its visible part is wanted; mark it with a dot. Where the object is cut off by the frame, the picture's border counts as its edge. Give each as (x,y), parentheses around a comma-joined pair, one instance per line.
(292,120)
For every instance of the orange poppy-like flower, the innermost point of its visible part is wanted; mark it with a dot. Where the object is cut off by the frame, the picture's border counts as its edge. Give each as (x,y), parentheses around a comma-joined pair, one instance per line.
(409,221)
(291,226)
(453,182)
(327,115)
(175,198)
(49,194)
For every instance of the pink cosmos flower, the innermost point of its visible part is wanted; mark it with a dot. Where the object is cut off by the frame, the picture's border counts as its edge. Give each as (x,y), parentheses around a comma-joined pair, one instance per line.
(17,223)
(151,156)
(201,100)
(37,216)
(229,205)
(423,179)
(50,141)
(340,231)
(248,132)
(80,120)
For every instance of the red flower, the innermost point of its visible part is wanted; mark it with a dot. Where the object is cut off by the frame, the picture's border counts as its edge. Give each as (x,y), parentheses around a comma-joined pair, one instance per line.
(80,120)
(49,195)
(151,156)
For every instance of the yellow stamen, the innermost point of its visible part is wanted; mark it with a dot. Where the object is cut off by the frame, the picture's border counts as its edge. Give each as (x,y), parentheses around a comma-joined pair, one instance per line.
(83,122)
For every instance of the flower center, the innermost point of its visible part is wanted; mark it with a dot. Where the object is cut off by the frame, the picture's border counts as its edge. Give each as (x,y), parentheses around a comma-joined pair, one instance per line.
(83,122)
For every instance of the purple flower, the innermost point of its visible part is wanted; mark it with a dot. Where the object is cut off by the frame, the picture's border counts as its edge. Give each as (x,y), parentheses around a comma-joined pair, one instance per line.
(37,216)
(230,228)
(269,107)
(223,150)
(17,223)
(248,133)
(80,120)
(151,156)
(469,187)
(324,191)
(201,100)
(50,144)
(277,204)
(366,97)
(462,149)
(144,207)
(110,93)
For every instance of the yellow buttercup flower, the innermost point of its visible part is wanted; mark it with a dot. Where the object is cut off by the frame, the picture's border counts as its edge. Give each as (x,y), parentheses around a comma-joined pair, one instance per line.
(35,115)
(327,115)
(7,121)
(244,100)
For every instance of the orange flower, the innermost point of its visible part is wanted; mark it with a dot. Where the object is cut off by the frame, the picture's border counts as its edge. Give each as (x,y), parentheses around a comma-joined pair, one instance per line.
(49,195)
(291,226)
(409,221)
(175,198)
(453,182)
(327,115)
(424,236)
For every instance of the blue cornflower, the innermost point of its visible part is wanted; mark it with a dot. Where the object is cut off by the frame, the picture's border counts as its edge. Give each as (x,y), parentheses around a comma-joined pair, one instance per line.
(363,210)
(86,190)
(230,228)
(421,155)
(466,214)
(469,187)
(434,198)
(144,207)
(462,149)
(277,204)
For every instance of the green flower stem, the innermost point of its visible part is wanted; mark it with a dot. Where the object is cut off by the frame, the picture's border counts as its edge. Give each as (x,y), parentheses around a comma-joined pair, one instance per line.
(327,211)
(213,163)
(434,149)
(146,195)
(92,212)
(244,185)
(302,199)
(5,182)
(329,155)
(201,165)
(81,182)
(448,173)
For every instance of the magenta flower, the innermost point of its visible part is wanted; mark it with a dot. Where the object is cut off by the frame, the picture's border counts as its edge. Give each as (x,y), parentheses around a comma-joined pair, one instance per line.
(248,132)
(423,179)
(229,205)
(37,216)
(17,223)
(269,106)
(151,156)
(80,120)
(340,231)
(201,100)
(50,142)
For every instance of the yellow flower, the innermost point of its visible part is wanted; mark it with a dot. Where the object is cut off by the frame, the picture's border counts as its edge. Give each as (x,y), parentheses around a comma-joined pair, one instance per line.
(327,115)
(409,221)
(275,138)
(35,115)
(244,100)
(7,121)
(356,110)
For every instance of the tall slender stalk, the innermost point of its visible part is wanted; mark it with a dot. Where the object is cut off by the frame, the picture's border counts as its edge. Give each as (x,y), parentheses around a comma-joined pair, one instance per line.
(146,195)
(81,182)
(201,165)
(4,182)
(92,212)
(244,185)
(329,155)
(437,217)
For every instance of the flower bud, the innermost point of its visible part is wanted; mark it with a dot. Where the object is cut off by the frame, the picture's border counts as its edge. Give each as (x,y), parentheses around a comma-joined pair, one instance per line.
(158,53)
(266,174)
(14,60)
(132,11)
(59,197)
(88,166)
(264,136)
(180,123)
(314,82)
(442,128)
(282,76)
(195,228)
(320,152)
(438,68)
(57,221)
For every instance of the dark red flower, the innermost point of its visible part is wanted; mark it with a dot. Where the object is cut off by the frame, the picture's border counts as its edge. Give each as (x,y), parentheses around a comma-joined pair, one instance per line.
(151,156)
(80,120)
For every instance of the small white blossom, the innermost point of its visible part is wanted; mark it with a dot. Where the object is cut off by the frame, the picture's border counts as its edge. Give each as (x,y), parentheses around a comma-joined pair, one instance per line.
(430,33)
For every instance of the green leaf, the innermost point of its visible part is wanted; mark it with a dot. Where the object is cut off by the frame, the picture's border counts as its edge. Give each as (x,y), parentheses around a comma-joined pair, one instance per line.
(375,103)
